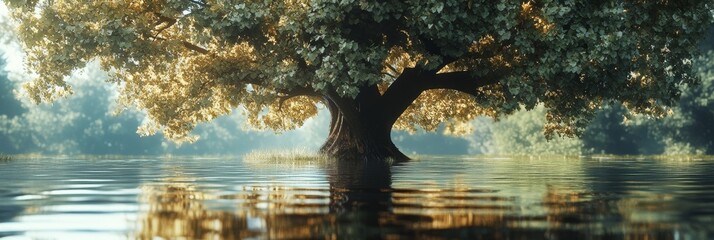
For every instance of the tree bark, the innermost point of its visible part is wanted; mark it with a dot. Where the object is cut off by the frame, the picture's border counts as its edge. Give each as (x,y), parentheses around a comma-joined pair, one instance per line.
(359,132)
(361,128)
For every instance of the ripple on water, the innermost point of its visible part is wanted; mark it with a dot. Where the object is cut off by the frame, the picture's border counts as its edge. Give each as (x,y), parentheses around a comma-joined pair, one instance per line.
(492,198)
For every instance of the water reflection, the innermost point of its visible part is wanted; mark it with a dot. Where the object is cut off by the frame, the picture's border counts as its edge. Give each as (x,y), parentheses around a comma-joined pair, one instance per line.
(361,202)
(428,198)
(360,186)
(357,202)
(177,209)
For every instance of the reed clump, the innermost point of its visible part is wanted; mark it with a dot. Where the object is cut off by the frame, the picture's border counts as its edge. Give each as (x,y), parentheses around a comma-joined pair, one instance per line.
(5,157)
(289,156)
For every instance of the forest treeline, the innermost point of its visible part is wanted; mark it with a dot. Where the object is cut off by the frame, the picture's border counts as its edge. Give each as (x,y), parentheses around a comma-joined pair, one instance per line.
(687,130)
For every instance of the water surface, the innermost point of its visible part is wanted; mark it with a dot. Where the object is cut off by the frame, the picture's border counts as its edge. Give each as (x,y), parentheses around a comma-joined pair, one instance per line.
(454,197)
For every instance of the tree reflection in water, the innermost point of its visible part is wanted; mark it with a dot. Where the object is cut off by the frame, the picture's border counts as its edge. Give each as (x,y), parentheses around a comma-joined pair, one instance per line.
(361,202)
(177,209)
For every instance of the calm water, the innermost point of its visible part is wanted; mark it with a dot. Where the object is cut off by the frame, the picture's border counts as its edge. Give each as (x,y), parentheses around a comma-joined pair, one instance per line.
(427,198)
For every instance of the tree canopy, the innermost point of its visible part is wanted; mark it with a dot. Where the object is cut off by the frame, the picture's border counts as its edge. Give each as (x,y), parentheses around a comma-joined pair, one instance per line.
(424,62)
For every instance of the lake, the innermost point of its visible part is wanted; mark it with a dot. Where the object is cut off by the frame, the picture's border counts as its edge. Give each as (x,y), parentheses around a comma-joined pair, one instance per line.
(432,197)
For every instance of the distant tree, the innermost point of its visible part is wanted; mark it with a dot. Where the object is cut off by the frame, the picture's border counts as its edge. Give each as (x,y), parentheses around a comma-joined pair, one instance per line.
(431,143)
(375,64)
(609,134)
(80,124)
(522,134)
(689,129)
(10,107)
(92,125)
(697,106)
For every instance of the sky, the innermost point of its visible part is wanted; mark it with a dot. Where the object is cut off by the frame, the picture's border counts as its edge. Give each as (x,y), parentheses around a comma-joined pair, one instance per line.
(13,54)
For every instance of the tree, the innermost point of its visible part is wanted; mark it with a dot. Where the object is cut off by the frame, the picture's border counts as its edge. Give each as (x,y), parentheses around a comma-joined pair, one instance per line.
(686,130)
(374,65)
(608,134)
(80,124)
(697,105)
(521,134)
(9,105)
(689,129)
(9,109)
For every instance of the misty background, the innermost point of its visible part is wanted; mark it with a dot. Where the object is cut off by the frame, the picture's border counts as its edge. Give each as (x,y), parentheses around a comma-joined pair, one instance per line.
(85,123)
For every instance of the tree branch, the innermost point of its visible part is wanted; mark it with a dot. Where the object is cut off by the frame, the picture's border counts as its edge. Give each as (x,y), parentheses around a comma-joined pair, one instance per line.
(462,81)
(392,69)
(400,94)
(389,74)
(163,19)
(431,47)
(412,82)
(194,47)
(200,3)
(295,92)
(169,23)
(187,44)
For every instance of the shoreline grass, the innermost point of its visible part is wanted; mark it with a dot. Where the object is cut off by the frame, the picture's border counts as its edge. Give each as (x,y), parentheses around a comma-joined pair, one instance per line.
(292,156)
(6,157)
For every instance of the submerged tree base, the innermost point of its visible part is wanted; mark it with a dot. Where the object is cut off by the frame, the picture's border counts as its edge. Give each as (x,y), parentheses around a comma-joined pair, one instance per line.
(371,150)
(360,131)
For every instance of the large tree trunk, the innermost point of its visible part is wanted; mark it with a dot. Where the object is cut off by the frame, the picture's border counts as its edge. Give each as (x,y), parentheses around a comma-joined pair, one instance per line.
(359,132)
(361,127)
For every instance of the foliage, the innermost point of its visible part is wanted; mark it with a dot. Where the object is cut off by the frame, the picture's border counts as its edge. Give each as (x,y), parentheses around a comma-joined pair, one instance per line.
(689,130)
(185,62)
(610,134)
(79,124)
(686,130)
(430,143)
(522,134)
(84,124)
